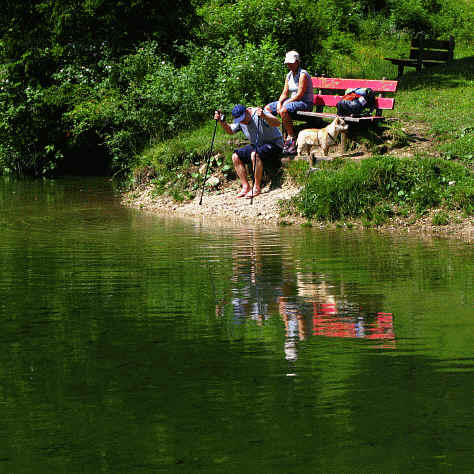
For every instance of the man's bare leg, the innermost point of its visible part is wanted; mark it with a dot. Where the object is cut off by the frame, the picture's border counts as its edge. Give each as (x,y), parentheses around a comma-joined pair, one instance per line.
(258,167)
(242,174)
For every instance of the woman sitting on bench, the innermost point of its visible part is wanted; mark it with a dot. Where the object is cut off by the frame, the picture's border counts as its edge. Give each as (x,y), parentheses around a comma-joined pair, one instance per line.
(297,95)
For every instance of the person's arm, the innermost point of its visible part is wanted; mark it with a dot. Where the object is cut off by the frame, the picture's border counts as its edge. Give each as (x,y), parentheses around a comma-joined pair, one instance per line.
(270,119)
(219,117)
(302,86)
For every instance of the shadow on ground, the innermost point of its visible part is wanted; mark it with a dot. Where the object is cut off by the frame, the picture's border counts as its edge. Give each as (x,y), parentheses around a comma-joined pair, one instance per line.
(445,75)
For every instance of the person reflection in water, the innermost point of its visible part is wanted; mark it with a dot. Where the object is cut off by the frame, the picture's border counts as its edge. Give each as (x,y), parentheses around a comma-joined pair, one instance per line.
(308,304)
(295,328)
(251,290)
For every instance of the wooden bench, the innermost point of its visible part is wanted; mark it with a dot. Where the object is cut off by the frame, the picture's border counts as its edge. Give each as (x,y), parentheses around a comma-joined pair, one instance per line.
(425,52)
(330,92)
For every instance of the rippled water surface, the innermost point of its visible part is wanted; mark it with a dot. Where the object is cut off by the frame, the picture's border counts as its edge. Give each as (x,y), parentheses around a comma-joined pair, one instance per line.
(133,343)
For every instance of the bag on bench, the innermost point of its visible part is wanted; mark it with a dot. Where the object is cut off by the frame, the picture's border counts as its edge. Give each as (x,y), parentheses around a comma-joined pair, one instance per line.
(356,101)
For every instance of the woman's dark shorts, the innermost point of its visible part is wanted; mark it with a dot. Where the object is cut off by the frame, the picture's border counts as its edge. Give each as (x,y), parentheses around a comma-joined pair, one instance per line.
(267,152)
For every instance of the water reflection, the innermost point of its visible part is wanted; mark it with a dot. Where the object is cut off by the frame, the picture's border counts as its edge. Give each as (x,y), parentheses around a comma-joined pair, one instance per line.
(114,359)
(265,283)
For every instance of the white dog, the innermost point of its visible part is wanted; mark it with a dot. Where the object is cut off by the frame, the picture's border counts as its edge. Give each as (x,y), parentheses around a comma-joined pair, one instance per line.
(310,139)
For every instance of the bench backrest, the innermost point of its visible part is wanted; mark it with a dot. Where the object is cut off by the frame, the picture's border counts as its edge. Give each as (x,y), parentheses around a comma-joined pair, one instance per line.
(337,87)
(431,49)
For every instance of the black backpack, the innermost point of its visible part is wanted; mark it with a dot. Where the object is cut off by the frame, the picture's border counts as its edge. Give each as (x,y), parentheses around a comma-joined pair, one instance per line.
(360,101)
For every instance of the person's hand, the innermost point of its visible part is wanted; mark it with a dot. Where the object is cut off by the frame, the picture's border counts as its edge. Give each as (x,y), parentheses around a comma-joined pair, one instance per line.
(218,115)
(279,105)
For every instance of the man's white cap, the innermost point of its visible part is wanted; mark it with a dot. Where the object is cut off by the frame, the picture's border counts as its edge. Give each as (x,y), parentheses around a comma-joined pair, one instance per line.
(291,57)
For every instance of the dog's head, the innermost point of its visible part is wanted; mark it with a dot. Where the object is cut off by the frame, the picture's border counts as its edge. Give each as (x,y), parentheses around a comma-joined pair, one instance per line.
(340,124)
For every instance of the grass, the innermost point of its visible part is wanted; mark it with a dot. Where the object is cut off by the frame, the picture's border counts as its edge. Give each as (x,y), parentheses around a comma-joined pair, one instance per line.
(441,218)
(377,187)
(190,145)
(442,99)
(373,65)
(176,167)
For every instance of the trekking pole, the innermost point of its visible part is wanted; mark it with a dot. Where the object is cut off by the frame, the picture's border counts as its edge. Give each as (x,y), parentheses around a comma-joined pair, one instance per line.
(208,161)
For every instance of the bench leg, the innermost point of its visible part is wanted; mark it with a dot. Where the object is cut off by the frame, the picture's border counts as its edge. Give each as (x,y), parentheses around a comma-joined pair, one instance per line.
(400,70)
(343,142)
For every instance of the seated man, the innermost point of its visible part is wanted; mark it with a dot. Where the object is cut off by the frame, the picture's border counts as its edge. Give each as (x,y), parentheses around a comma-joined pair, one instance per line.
(266,143)
(297,95)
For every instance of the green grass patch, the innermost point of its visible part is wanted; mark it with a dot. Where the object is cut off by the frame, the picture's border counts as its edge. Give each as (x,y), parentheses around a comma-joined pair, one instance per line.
(440,218)
(192,145)
(375,188)
(176,167)
(373,65)
(442,97)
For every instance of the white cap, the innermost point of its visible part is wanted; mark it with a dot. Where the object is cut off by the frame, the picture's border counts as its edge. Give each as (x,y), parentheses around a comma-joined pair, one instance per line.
(291,57)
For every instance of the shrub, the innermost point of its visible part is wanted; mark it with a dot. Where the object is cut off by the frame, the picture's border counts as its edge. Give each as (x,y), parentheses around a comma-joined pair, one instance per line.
(250,74)
(31,132)
(290,24)
(148,98)
(411,15)
(339,42)
(455,17)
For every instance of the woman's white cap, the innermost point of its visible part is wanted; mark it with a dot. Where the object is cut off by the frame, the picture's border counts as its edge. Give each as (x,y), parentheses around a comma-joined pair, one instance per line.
(291,57)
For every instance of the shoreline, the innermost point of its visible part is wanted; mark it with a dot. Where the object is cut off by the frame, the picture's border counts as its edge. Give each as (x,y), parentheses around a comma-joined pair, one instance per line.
(222,204)
(266,210)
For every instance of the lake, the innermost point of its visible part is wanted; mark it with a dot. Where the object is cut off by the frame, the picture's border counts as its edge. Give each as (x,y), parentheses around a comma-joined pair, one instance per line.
(134,343)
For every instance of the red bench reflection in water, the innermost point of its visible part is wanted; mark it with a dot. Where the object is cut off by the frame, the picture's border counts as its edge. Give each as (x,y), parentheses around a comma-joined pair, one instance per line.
(327,322)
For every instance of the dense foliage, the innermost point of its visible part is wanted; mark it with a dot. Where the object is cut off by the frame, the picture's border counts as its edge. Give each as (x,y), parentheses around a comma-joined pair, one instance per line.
(85,86)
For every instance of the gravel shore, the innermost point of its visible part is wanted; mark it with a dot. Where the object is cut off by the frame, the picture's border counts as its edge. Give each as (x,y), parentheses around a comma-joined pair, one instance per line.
(224,205)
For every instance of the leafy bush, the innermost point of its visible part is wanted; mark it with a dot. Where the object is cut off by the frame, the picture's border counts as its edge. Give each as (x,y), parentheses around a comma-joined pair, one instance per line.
(31,135)
(253,75)
(152,99)
(288,23)
(455,17)
(339,42)
(411,15)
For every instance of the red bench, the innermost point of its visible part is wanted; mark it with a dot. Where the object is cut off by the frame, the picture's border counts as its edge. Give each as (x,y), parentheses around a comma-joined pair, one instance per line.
(330,92)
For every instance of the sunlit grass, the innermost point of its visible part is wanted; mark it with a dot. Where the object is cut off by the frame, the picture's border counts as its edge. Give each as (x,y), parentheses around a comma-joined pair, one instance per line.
(379,187)
(188,144)
(440,97)
(367,60)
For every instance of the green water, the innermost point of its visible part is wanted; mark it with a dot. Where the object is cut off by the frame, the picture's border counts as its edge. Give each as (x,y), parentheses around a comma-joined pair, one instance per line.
(132,343)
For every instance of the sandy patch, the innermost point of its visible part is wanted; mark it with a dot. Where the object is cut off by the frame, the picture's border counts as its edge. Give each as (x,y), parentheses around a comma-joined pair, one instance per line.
(222,204)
